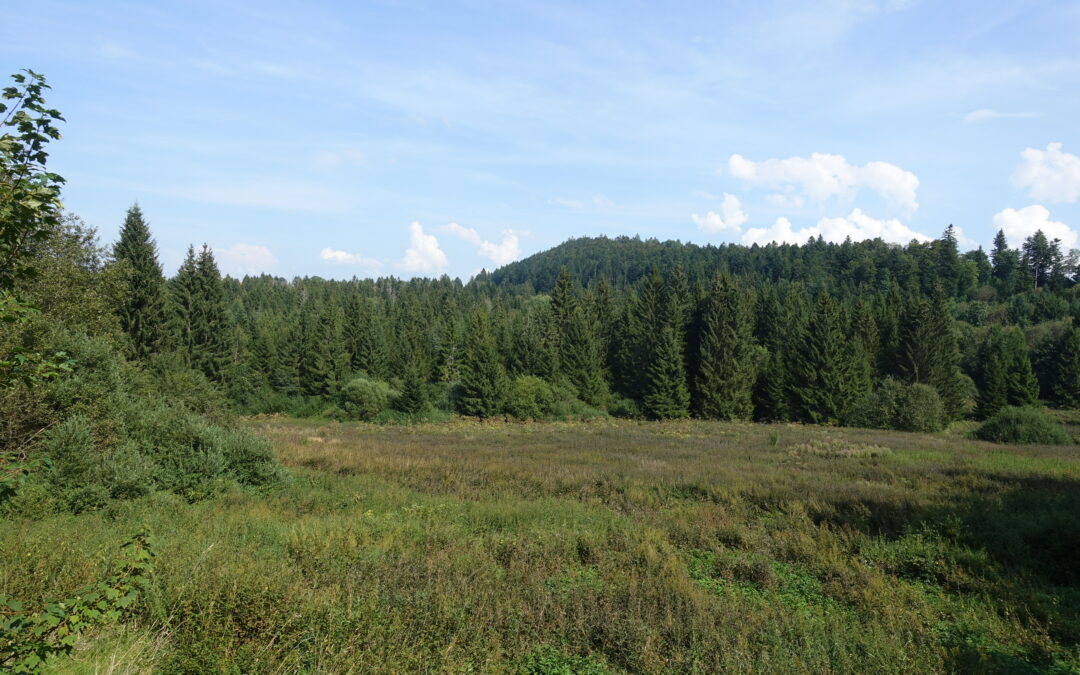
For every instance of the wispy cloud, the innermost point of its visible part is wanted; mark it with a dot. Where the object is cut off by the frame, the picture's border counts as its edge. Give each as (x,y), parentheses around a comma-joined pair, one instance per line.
(370,265)
(985,114)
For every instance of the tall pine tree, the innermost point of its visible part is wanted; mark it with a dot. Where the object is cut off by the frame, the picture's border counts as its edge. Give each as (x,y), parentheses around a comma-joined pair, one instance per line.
(728,356)
(483,381)
(142,308)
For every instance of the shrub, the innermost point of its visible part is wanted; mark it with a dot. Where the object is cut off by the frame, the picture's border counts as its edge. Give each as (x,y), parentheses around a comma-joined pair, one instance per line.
(904,407)
(364,399)
(530,397)
(1023,426)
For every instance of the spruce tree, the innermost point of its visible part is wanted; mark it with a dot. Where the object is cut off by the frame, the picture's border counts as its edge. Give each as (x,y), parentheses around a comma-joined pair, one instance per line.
(210,319)
(141,307)
(1060,368)
(1003,373)
(825,379)
(1005,265)
(928,351)
(580,360)
(728,356)
(666,396)
(412,400)
(183,293)
(483,381)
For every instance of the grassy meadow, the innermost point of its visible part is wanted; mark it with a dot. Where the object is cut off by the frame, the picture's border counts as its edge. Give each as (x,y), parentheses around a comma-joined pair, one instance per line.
(601,547)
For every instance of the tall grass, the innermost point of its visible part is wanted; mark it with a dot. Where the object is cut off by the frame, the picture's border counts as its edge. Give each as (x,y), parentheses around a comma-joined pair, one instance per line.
(600,547)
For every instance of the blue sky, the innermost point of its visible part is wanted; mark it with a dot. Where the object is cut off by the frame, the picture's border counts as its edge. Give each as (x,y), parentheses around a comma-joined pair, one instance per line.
(408,138)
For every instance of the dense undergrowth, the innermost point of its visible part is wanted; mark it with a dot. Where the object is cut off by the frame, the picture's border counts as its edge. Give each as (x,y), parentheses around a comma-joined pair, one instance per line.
(593,548)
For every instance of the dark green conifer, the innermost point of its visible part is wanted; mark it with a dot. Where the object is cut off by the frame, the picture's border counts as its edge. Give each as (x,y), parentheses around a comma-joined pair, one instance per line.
(210,318)
(824,369)
(142,308)
(483,380)
(1003,373)
(412,400)
(728,356)
(666,396)
(1060,369)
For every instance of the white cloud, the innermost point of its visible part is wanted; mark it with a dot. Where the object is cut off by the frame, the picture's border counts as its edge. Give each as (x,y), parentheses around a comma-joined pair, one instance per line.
(345,258)
(984,114)
(823,176)
(781,232)
(506,251)
(857,225)
(731,216)
(245,259)
(785,201)
(860,226)
(423,255)
(1018,225)
(1050,175)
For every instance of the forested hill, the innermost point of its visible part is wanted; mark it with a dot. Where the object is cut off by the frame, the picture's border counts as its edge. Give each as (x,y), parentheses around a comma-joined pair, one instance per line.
(624,261)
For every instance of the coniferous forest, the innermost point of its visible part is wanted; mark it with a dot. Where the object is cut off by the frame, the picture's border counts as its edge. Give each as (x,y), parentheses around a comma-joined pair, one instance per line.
(616,455)
(819,333)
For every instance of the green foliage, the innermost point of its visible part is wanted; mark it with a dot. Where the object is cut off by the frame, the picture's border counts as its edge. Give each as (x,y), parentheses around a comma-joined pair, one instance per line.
(666,396)
(29,194)
(1023,426)
(413,398)
(824,370)
(363,398)
(28,640)
(550,660)
(530,398)
(896,405)
(1003,373)
(1059,368)
(729,359)
(142,309)
(483,381)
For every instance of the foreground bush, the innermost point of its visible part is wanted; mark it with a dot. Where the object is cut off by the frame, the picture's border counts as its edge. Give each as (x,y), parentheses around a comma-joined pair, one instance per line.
(904,407)
(1023,426)
(110,430)
(363,399)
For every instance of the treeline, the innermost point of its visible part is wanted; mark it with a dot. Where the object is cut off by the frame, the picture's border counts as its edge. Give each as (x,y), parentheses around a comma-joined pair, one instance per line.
(93,406)
(868,333)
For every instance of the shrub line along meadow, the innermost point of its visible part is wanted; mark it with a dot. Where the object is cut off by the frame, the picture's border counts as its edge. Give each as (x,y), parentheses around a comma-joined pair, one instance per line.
(600,547)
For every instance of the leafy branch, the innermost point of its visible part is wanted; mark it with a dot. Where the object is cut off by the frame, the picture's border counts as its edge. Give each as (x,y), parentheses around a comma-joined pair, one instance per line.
(29,639)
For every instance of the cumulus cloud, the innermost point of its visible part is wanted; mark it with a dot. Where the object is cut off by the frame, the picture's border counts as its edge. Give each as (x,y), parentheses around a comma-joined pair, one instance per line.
(730,217)
(245,259)
(506,251)
(1020,224)
(856,225)
(860,226)
(984,114)
(423,255)
(345,258)
(822,176)
(1049,175)
(781,232)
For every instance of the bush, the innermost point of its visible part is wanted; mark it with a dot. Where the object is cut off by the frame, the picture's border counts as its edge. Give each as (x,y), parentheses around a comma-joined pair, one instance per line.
(904,407)
(364,399)
(1023,426)
(530,398)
